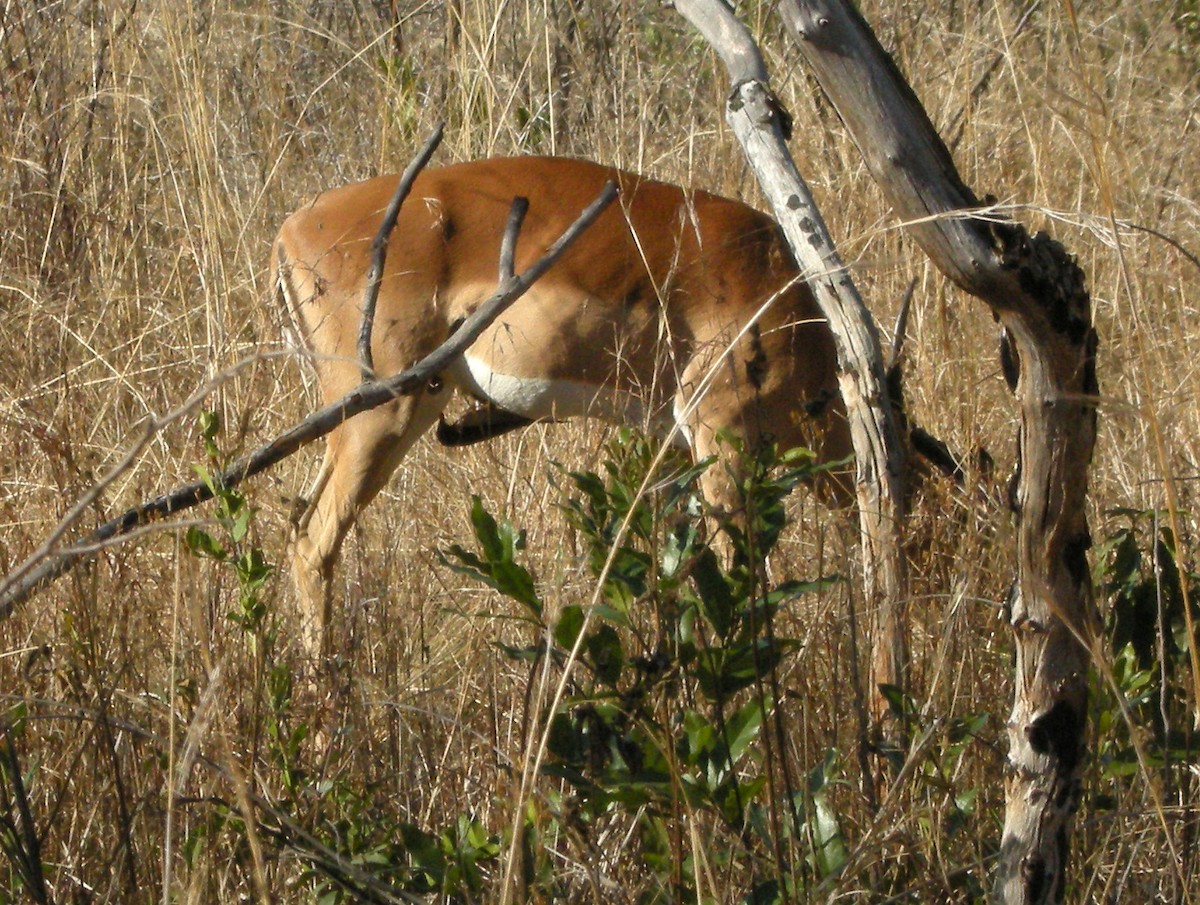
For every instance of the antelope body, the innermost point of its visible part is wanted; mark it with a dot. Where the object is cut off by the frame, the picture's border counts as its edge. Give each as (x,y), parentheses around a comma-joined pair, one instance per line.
(676,308)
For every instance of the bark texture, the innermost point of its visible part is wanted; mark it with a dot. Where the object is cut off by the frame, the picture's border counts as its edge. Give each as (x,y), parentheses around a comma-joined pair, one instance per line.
(1037,292)
(762,126)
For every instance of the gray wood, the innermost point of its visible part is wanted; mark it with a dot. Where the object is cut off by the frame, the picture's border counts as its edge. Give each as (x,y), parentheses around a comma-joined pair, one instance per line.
(1036,290)
(380,246)
(757,120)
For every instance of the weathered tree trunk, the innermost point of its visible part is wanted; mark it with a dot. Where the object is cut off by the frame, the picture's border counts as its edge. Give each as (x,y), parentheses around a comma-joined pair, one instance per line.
(762,127)
(1036,290)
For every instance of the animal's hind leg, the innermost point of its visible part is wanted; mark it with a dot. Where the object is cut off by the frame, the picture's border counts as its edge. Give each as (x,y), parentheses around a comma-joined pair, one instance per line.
(721,485)
(360,457)
(714,428)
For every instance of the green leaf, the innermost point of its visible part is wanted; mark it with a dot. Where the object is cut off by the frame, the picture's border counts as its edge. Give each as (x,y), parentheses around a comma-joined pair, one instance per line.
(824,773)
(241,524)
(717,603)
(514,580)
(829,852)
(682,487)
(700,735)
(733,798)
(605,654)
(743,727)
(568,627)
(497,568)
(625,581)
(16,718)
(616,617)
(900,704)
(208,480)
(964,806)
(725,671)
(200,543)
(210,426)
(677,550)
(487,531)
(529,653)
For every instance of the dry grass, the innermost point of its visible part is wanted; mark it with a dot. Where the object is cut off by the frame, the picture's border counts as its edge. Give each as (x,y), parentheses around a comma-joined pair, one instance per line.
(147,152)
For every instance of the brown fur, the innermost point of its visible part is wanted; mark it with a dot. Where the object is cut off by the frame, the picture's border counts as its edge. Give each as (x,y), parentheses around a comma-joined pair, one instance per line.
(647,302)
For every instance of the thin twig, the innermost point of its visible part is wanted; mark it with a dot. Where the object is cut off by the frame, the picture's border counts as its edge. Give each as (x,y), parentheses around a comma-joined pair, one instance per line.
(30,847)
(362,398)
(901,329)
(1174,243)
(379,249)
(508,244)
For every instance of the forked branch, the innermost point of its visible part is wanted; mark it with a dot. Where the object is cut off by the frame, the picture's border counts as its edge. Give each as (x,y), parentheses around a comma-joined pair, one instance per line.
(380,246)
(36,572)
(761,125)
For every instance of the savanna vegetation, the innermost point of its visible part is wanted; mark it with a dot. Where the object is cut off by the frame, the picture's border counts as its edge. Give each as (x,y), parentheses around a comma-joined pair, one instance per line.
(163,735)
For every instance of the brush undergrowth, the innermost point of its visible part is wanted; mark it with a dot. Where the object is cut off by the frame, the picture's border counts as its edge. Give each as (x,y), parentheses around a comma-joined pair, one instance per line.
(163,737)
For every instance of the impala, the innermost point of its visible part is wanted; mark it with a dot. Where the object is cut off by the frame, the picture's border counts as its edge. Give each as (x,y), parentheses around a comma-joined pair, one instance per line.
(677,310)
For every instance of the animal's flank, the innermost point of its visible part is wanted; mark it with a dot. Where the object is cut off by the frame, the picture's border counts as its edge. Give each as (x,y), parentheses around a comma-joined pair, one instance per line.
(657,316)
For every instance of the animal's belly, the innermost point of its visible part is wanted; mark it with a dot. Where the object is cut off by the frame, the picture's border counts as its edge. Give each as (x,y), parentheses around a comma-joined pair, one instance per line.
(558,399)
(541,397)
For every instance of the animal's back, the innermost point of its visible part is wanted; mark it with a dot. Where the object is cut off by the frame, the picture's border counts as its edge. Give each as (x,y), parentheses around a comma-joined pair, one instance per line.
(676,308)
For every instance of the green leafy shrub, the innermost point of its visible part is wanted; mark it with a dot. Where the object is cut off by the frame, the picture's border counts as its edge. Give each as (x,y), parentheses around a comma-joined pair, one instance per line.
(1151,609)
(674,672)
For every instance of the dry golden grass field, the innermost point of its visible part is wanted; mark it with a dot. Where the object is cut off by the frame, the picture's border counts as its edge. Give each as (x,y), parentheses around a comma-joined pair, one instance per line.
(164,738)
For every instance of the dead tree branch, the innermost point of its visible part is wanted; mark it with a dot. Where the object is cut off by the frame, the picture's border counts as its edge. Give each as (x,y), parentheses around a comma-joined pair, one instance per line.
(1037,291)
(33,574)
(508,244)
(759,123)
(380,246)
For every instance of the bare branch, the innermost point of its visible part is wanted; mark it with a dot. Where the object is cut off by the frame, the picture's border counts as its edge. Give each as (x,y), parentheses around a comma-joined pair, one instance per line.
(380,245)
(512,229)
(725,33)
(759,122)
(362,398)
(901,328)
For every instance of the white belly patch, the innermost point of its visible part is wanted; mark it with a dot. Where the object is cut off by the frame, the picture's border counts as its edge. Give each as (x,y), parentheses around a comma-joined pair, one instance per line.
(543,397)
(533,397)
